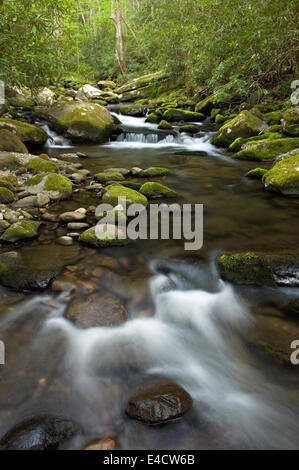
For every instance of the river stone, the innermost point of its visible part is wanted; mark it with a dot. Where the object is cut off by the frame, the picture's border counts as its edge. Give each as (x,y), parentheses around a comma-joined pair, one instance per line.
(101,309)
(291,121)
(39,433)
(54,185)
(73,216)
(28,201)
(243,125)
(283,177)
(154,171)
(22,230)
(17,275)
(158,402)
(104,235)
(175,115)
(11,143)
(29,134)
(65,241)
(77,226)
(155,190)
(116,191)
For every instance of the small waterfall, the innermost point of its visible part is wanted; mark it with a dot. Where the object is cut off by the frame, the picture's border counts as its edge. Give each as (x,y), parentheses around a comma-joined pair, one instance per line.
(145,138)
(55,140)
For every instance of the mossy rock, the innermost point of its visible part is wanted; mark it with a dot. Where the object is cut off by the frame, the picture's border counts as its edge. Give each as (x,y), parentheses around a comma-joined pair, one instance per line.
(40,165)
(214,113)
(29,134)
(189,129)
(175,115)
(165,126)
(104,236)
(268,149)
(256,173)
(114,217)
(274,117)
(206,105)
(80,122)
(116,191)
(9,142)
(6,196)
(55,185)
(135,110)
(154,171)
(8,162)
(220,118)
(109,176)
(257,268)
(155,190)
(244,125)
(132,184)
(6,183)
(22,230)
(237,144)
(283,177)
(291,121)
(153,118)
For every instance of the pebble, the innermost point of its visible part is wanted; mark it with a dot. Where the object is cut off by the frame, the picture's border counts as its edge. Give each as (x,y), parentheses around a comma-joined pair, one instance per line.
(77,226)
(74,216)
(65,240)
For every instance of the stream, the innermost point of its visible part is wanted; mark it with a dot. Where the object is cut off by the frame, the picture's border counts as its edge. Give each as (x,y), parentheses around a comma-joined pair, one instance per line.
(185,324)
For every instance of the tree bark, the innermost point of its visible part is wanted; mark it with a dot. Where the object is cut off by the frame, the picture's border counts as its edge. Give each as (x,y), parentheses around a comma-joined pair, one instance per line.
(116,17)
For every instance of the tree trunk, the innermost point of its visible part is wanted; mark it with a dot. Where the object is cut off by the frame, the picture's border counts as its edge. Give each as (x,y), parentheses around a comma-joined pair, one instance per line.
(116,16)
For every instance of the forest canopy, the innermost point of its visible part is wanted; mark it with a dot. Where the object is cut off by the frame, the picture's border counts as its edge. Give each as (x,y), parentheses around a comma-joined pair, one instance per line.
(234,46)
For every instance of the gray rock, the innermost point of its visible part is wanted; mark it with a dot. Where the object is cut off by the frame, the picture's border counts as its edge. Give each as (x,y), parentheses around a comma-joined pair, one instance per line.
(65,241)
(77,226)
(73,216)
(28,201)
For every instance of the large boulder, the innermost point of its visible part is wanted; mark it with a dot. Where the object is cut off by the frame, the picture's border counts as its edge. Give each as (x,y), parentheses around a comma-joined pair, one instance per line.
(90,92)
(22,230)
(45,97)
(158,402)
(100,309)
(263,269)
(80,122)
(206,105)
(54,185)
(39,433)
(29,134)
(283,177)
(115,191)
(175,115)
(19,97)
(267,149)
(147,86)
(291,121)
(244,125)
(11,143)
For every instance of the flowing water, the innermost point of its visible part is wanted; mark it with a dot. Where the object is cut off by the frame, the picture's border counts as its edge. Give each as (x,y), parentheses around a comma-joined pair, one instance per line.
(185,324)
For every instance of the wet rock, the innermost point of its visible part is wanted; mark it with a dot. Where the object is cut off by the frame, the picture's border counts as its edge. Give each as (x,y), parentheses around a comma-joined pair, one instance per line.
(155,190)
(39,433)
(73,216)
(135,171)
(243,125)
(101,309)
(42,199)
(104,235)
(54,185)
(40,165)
(116,191)
(176,115)
(6,196)
(49,217)
(283,177)
(59,285)
(256,173)
(154,171)
(29,134)
(267,149)
(28,201)
(65,240)
(206,105)
(17,275)
(189,129)
(77,226)
(165,126)
(159,402)
(108,176)
(103,444)
(22,230)
(122,171)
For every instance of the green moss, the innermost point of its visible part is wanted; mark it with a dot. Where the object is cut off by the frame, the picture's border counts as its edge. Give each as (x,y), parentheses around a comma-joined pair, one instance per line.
(114,217)
(25,229)
(268,149)
(154,171)
(189,129)
(153,190)
(58,183)
(35,180)
(205,105)
(243,125)
(165,126)
(291,121)
(11,143)
(115,191)
(154,118)
(274,117)
(6,196)
(237,144)
(39,165)
(219,118)
(132,185)
(256,173)
(246,268)
(6,183)
(27,133)
(283,177)
(109,176)
(175,115)
(94,238)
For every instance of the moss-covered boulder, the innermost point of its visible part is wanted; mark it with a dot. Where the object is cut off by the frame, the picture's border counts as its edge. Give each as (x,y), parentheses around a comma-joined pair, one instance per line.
(29,134)
(8,162)
(80,122)
(102,84)
(189,129)
(267,149)
(291,121)
(274,117)
(19,97)
(154,171)
(206,105)
(256,173)
(175,115)
(109,176)
(154,190)
(9,142)
(244,125)
(40,165)
(116,191)
(54,185)
(114,217)
(165,126)
(6,196)
(259,268)
(135,110)
(6,182)
(153,118)
(147,86)
(104,235)
(22,230)
(283,177)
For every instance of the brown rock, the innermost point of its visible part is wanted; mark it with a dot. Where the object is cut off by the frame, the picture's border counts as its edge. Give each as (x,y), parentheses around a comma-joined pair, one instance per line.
(101,309)
(103,444)
(158,401)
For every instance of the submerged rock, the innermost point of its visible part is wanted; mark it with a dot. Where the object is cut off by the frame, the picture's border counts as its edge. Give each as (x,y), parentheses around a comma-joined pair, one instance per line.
(17,275)
(291,121)
(11,143)
(22,230)
(244,125)
(267,149)
(39,433)
(260,268)
(101,309)
(158,402)
(283,177)
(154,190)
